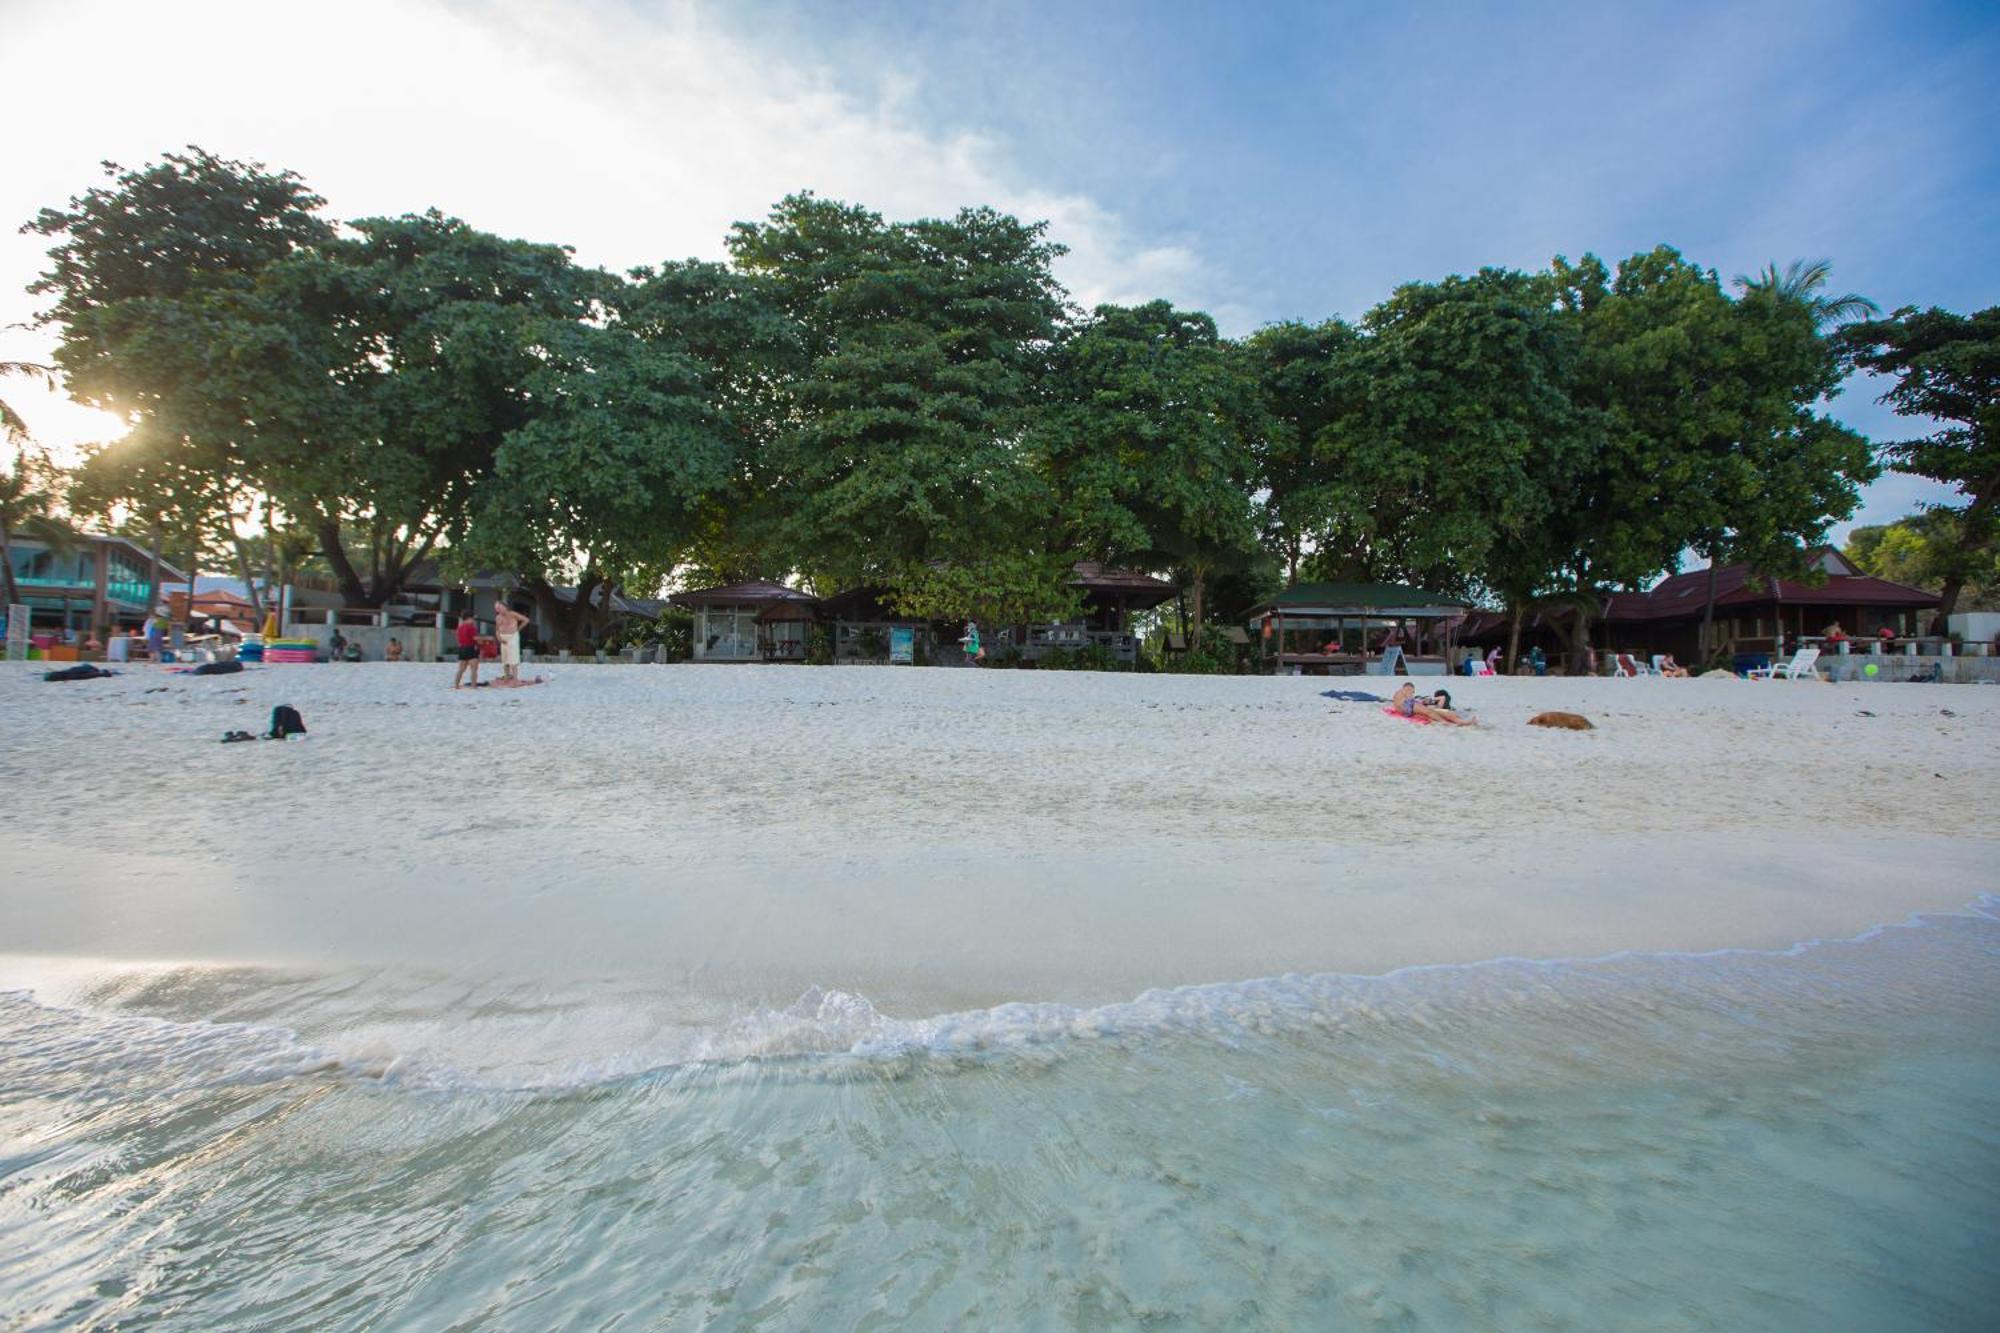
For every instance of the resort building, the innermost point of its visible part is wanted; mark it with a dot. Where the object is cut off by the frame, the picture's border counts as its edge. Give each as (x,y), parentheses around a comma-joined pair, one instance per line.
(866,628)
(1756,615)
(1110,599)
(1757,618)
(758,621)
(89,582)
(1344,629)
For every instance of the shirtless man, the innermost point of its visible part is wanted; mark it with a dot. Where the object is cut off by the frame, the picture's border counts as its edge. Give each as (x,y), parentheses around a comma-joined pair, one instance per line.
(507,625)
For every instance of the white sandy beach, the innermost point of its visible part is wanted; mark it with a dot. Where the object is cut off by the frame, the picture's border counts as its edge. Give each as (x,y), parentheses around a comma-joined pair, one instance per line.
(943,840)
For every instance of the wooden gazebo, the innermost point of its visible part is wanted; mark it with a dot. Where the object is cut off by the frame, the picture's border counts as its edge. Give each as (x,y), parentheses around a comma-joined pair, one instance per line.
(1351,628)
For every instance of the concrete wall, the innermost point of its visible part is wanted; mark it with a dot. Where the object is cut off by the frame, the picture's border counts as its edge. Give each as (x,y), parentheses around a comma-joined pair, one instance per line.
(420,642)
(1962,670)
(1975,626)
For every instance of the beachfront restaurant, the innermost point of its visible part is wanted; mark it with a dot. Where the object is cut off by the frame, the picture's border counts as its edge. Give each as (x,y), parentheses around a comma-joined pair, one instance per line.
(91,582)
(1351,629)
(757,621)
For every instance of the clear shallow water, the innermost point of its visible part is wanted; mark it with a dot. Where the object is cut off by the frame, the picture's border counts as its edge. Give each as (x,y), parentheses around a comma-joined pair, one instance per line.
(1798,1140)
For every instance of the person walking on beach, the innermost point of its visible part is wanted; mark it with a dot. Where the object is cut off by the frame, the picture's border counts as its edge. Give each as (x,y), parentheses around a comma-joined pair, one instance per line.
(468,650)
(973,652)
(507,625)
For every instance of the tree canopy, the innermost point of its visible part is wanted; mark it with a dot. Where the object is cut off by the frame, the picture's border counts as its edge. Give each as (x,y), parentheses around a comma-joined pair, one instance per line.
(915,406)
(1946,368)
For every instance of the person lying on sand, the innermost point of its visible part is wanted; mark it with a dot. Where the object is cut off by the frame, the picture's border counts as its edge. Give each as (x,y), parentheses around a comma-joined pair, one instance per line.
(517,682)
(1406,702)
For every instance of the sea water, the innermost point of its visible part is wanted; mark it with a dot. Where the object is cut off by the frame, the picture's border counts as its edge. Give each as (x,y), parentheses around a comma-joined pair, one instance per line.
(1806,1138)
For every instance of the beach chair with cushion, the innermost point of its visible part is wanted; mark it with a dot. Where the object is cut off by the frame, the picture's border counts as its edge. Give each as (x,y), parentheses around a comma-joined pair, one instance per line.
(1799,668)
(1625,666)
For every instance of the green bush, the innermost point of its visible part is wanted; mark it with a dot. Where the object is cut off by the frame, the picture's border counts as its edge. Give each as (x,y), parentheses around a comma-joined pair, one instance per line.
(1216,657)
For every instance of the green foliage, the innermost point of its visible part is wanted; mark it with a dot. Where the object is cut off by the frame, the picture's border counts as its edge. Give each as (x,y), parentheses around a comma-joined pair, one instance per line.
(1147,440)
(913,406)
(924,342)
(1927,550)
(1213,656)
(1006,588)
(1947,368)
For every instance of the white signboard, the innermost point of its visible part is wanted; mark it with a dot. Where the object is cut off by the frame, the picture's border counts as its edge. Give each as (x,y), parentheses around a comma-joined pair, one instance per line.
(17,633)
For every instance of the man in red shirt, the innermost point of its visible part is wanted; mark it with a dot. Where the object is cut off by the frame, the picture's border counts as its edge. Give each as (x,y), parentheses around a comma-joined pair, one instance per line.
(468,650)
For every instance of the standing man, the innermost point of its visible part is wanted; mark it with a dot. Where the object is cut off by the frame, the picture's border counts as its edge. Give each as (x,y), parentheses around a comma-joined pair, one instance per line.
(507,624)
(468,650)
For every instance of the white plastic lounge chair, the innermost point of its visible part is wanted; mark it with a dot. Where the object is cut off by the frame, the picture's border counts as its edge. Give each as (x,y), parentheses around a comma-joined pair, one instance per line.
(1659,665)
(1624,665)
(1799,668)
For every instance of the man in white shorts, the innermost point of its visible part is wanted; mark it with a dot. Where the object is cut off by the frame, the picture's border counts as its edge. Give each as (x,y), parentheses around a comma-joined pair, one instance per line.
(507,624)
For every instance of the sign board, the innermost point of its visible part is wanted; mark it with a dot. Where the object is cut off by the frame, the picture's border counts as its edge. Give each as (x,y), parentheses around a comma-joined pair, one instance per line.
(902,645)
(17,633)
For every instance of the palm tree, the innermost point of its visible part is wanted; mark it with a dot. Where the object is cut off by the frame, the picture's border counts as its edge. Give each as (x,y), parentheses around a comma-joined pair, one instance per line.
(1802,281)
(12,427)
(28,493)
(27,487)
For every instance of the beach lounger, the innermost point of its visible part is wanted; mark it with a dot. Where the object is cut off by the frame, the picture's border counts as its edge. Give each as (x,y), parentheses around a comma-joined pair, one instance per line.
(1799,668)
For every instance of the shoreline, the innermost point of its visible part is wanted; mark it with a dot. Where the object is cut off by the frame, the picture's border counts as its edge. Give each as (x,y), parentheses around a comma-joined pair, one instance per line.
(953,840)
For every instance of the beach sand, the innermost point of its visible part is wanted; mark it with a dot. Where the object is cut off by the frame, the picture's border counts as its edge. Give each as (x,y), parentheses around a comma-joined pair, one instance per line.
(937,840)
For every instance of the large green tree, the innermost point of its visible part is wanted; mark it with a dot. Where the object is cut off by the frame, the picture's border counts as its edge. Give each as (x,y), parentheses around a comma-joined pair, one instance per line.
(1456,446)
(924,343)
(1148,440)
(604,482)
(357,382)
(1711,435)
(1947,368)
(1302,375)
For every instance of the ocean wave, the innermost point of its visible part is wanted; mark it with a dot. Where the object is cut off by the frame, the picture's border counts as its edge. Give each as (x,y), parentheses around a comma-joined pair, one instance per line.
(438,1034)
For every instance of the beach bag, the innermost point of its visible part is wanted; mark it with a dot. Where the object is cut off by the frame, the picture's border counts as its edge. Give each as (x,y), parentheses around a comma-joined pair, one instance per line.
(285,721)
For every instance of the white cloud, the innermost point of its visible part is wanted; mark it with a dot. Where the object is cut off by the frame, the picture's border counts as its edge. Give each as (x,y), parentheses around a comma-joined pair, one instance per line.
(633,137)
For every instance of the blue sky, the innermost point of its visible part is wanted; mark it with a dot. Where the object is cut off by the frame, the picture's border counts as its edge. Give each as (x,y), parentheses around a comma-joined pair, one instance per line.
(1314,155)
(1259,161)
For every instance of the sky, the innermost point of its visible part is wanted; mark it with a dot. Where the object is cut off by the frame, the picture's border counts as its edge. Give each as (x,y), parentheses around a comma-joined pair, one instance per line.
(1261,162)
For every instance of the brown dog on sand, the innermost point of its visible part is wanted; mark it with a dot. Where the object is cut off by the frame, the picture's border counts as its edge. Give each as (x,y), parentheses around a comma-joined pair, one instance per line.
(1568,721)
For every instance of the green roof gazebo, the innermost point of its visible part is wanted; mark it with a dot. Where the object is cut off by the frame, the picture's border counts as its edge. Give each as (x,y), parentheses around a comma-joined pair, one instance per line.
(1345,629)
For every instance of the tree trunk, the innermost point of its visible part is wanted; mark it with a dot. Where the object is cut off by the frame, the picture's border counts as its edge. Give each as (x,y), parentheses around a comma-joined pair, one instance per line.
(153,574)
(1972,537)
(7,586)
(1708,614)
(352,590)
(1514,637)
(243,568)
(1196,610)
(1579,642)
